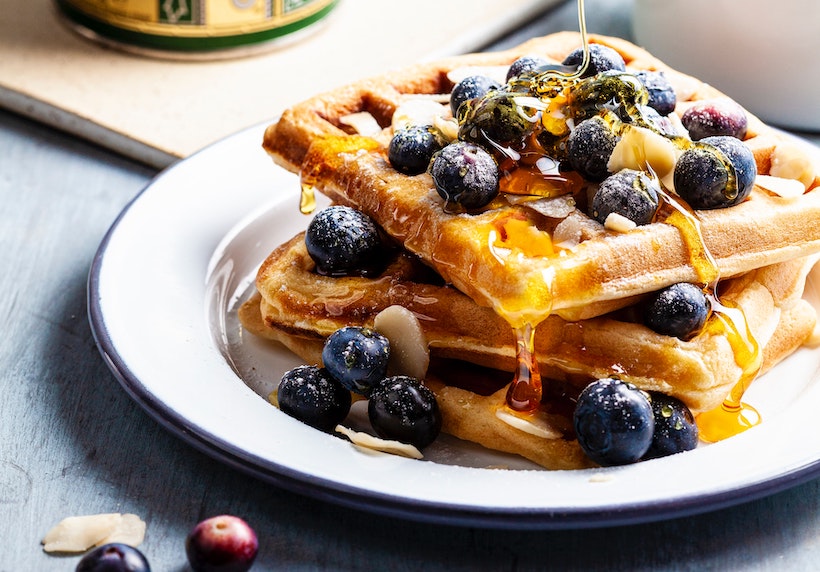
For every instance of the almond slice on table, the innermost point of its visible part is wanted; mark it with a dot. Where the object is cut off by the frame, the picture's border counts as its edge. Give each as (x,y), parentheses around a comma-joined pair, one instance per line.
(79,533)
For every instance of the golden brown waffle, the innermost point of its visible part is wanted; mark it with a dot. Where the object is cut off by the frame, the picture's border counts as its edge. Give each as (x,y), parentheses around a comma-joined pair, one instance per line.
(478,253)
(299,308)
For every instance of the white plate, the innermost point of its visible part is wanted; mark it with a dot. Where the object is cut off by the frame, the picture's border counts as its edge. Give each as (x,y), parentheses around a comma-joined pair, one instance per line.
(181,256)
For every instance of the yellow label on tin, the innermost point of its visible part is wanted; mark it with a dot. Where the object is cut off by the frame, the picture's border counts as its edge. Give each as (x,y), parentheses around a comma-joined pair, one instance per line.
(199,18)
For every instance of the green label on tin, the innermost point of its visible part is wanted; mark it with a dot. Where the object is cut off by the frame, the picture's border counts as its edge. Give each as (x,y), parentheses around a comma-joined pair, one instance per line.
(201,18)
(291,5)
(176,11)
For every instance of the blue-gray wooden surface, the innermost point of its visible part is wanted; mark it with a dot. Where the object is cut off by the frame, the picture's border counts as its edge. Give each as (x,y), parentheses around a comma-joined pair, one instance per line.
(72,442)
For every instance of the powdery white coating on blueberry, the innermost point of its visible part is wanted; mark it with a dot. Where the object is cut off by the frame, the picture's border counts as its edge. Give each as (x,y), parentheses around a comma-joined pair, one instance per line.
(662,97)
(526,64)
(629,193)
(678,310)
(714,117)
(465,174)
(614,422)
(342,241)
(308,393)
(412,148)
(675,428)
(403,409)
(356,357)
(704,174)
(590,145)
(601,58)
(469,88)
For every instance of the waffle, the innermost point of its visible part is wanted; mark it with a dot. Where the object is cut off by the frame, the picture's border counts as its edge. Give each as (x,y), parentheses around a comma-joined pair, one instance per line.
(473,349)
(600,269)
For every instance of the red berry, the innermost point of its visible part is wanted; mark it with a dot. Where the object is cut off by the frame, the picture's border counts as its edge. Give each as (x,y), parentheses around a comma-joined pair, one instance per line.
(221,544)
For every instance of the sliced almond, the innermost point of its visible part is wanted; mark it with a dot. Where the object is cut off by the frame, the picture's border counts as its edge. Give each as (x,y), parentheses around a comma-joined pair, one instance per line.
(498,73)
(367,441)
(447,127)
(790,161)
(786,188)
(568,233)
(619,223)
(639,148)
(362,122)
(531,424)
(130,531)
(409,354)
(554,207)
(422,111)
(79,533)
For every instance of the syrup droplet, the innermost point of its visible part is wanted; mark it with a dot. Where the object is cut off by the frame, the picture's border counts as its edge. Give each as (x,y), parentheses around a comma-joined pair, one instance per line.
(524,393)
(307,199)
(733,416)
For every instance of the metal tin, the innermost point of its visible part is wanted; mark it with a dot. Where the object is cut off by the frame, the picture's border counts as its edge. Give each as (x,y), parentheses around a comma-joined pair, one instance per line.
(193,29)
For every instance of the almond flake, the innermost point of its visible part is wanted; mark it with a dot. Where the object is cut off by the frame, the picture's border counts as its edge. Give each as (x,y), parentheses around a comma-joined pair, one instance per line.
(640,148)
(532,424)
(556,207)
(421,111)
(786,188)
(130,531)
(790,161)
(79,533)
(367,441)
(408,345)
(362,122)
(618,223)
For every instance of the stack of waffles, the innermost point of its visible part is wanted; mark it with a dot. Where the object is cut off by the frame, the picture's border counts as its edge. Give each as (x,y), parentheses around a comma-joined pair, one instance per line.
(473,279)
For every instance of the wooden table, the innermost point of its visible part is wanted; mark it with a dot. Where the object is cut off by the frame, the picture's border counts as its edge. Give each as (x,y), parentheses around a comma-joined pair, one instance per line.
(72,442)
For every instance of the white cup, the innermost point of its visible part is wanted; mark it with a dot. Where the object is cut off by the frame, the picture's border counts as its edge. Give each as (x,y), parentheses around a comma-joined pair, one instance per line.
(765,54)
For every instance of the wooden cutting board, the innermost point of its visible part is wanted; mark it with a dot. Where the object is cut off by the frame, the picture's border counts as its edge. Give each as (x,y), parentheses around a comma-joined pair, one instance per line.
(157,111)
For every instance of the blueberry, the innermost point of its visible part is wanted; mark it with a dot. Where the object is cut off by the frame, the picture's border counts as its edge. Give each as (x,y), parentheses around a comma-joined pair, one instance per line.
(601,58)
(612,90)
(357,357)
(342,241)
(499,119)
(710,179)
(662,96)
(221,543)
(471,87)
(675,428)
(412,148)
(714,117)
(311,395)
(466,174)
(589,146)
(613,422)
(527,65)
(650,118)
(114,557)
(403,409)
(679,310)
(629,193)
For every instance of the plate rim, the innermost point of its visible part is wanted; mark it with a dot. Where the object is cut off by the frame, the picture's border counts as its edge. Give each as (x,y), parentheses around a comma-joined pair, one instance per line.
(376,502)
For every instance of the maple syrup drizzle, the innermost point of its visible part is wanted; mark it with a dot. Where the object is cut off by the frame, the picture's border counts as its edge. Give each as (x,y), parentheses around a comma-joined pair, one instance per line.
(524,393)
(732,416)
(307,198)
